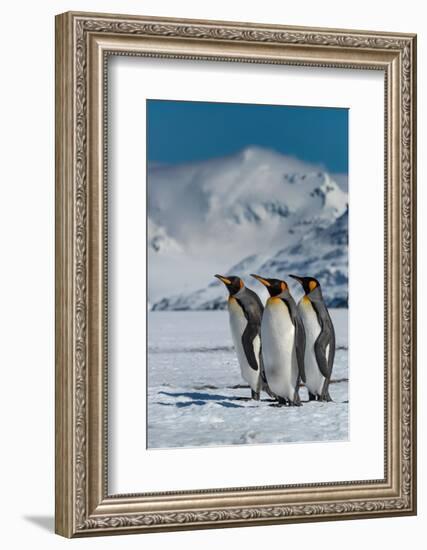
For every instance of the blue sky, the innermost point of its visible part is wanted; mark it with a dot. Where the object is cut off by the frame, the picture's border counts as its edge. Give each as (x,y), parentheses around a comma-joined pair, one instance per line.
(187,131)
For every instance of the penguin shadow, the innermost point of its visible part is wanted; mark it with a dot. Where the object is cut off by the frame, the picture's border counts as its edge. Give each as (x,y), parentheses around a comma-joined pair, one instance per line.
(199,399)
(308,402)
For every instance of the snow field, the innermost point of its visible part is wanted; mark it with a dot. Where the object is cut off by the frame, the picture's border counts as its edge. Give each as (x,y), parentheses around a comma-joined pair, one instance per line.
(196,396)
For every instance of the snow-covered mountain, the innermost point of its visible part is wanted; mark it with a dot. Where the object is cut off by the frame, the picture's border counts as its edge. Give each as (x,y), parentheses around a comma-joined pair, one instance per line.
(256,211)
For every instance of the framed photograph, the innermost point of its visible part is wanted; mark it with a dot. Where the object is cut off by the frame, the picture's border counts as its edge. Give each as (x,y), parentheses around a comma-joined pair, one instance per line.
(235,274)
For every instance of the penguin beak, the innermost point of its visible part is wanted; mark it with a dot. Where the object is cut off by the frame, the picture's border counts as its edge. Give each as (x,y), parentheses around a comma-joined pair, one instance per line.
(260,279)
(299,279)
(223,279)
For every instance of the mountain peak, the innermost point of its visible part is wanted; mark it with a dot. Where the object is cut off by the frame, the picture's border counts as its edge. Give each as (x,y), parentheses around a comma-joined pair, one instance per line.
(207,216)
(253,150)
(258,153)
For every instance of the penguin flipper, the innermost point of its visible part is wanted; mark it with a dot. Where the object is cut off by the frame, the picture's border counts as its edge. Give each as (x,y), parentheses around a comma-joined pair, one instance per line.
(249,334)
(300,346)
(331,355)
(262,369)
(299,336)
(265,387)
(325,338)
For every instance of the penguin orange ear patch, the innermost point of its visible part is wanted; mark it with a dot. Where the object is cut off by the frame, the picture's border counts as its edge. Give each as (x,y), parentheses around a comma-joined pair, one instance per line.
(241,283)
(312,285)
(283,286)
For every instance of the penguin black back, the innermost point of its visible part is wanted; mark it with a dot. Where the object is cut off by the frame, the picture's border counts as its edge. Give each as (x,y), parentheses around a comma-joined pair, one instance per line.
(245,313)
(278,289)
(324,345)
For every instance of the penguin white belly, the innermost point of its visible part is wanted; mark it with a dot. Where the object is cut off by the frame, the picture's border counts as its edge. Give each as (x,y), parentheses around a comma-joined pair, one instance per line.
(314,378)
(278,349)
(238,324)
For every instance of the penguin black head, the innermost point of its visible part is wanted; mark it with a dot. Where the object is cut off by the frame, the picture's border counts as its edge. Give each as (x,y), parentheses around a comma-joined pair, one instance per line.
(308,283)
(274,286)
(233,283)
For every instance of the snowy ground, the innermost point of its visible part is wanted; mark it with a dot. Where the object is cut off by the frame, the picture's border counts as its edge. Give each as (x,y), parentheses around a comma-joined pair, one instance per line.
(196,396)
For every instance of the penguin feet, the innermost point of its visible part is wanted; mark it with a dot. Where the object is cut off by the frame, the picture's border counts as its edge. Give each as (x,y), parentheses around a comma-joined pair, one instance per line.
(255,395)
(325,397)
(283,402)
(297,401)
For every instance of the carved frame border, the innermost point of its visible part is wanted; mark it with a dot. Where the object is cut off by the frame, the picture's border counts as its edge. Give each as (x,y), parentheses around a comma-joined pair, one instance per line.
(83,43)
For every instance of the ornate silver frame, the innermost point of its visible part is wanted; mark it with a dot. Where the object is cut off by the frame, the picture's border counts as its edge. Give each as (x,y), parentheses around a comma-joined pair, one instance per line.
(83,505)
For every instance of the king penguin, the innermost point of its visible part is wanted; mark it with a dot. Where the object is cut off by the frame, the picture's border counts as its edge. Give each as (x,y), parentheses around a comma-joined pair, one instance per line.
(283,342)
(320,339)
(245,313)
